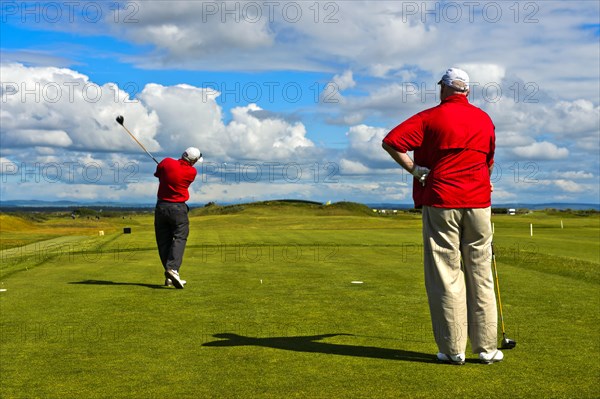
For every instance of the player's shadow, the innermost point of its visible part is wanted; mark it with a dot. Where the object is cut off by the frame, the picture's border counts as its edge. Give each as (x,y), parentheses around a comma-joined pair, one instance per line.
(106,282)
(312,344)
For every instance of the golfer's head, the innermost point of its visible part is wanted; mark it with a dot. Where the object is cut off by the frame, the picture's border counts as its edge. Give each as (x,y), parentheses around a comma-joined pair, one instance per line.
(454,81)
(192,155)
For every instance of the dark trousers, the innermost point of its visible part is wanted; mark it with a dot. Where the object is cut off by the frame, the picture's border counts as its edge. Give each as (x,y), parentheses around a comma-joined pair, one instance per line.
(171,226)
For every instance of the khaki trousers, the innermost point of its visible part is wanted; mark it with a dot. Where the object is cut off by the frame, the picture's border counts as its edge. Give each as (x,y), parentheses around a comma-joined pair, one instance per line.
(461,297)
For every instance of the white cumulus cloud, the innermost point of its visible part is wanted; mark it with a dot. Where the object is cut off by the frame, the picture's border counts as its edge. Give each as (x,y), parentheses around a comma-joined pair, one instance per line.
(580,174)
(250,137)
(166,119)
(59,107)
(572,118)
(569,186)
(484,74)
(344,81)
(38,137)
(365,145)
(542,150)
(349,167)
(187,115)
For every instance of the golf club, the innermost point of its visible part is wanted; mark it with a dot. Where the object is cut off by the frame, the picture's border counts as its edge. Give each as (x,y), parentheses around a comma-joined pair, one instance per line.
(120,120)
(506,343)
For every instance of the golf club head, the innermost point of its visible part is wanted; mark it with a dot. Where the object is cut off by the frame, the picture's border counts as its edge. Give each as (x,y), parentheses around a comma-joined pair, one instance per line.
(507,343)
(120,120)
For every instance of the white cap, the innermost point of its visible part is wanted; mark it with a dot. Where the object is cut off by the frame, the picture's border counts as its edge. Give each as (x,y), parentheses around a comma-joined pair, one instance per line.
(191,154)
(456,78)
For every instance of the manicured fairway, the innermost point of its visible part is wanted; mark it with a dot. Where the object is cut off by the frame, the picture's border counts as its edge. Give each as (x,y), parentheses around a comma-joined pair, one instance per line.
(270,310)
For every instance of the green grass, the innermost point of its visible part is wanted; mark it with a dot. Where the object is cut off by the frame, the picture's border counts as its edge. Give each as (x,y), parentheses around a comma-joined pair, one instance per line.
(269,310)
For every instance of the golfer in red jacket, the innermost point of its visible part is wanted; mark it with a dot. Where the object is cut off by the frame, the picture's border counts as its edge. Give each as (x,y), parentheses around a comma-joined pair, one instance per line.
(171,223)
(453,146)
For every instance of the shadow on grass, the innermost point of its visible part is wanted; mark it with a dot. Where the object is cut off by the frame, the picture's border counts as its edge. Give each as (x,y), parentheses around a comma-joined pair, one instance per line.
(106,282)
(311,344)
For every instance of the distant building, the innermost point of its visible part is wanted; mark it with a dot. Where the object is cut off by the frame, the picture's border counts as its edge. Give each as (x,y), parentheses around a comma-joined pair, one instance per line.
(511,211)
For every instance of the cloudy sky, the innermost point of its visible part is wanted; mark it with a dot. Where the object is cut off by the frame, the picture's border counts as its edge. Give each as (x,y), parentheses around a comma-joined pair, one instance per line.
(289,99)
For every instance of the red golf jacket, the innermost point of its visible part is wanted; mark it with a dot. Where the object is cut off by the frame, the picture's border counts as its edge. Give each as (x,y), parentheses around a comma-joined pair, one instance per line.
(456,140)
(175,177)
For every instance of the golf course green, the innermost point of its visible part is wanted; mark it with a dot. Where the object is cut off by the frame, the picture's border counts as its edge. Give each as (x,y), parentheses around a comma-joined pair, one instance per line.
(284,300)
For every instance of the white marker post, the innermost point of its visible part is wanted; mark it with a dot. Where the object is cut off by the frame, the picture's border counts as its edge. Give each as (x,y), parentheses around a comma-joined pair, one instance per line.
(531,229)
(561,224)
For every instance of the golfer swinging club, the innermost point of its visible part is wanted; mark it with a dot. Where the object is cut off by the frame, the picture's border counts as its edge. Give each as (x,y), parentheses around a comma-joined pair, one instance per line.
(171,223)
(453,146)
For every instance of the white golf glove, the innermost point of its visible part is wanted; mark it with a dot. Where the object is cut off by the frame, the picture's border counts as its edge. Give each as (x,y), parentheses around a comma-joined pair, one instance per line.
(420,172)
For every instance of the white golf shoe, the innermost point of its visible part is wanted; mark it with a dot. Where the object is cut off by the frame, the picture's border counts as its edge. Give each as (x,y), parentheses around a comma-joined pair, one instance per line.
(169,283)
(173,275)
(452,359)
(491,357)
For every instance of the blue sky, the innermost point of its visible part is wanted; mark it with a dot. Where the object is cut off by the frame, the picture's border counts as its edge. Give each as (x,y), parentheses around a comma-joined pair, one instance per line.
(289,99)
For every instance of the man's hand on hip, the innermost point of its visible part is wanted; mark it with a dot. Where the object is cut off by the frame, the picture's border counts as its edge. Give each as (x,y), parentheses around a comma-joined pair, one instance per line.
(420,172)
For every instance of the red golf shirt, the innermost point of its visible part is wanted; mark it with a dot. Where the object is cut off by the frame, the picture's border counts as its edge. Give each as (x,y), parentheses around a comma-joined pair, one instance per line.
(456,140)
(175,176)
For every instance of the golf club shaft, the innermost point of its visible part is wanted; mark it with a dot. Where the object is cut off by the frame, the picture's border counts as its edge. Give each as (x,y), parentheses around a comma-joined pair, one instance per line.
(141,145)
(498,290)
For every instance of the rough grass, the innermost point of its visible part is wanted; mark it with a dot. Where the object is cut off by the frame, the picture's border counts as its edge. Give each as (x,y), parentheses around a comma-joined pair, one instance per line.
(13,223)
(270,312)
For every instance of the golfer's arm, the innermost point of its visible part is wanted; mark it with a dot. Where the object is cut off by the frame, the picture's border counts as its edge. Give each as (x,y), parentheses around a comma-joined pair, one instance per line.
(401,158)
